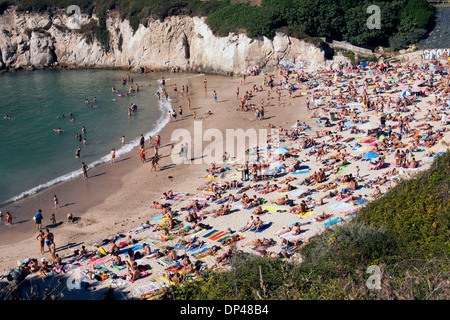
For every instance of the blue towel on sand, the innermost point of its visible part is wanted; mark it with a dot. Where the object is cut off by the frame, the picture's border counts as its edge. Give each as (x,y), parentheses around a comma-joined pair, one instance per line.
(264,227)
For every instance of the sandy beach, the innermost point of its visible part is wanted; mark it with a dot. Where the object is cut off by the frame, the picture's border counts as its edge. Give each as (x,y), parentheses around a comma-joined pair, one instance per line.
(117,198)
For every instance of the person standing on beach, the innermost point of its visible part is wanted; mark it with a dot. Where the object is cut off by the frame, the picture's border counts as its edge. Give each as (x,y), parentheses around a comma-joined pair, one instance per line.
(53,219)
(154,163)
(84,168)
(204,84)
(245,171)
(158,140)
(49,239)
(113,155)
(189,105)
(142,153)
(123,140)
(56,201)
(41,238)
(38,219)
(142,141)
(215,95)
(8,218)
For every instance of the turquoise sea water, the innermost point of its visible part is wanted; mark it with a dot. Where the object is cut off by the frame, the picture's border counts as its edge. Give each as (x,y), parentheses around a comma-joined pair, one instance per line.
(33,156)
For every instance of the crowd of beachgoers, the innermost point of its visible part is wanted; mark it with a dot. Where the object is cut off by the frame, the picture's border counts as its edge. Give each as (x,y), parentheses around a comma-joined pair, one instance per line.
(363,128)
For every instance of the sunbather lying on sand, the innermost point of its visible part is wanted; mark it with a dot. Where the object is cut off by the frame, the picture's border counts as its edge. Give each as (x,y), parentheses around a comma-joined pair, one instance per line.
(260,242)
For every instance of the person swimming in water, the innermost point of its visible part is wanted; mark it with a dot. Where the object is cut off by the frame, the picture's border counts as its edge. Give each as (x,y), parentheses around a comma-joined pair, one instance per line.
(59,130)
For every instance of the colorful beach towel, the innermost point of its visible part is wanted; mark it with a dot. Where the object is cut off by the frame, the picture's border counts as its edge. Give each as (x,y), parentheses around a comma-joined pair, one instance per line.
(217,235)
(306,214)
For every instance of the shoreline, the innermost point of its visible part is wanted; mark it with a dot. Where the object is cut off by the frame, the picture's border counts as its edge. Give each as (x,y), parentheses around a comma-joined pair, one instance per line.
(75,195)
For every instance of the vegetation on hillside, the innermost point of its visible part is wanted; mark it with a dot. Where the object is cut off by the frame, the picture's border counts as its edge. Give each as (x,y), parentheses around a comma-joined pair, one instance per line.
(406,234)
(402,22)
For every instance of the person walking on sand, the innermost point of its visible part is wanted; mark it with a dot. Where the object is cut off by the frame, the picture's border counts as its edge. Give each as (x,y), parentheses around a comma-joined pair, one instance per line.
(84,168)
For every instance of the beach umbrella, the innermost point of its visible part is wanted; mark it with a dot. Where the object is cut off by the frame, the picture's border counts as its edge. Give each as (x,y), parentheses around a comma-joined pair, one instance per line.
(406,93)
(281,150)
(370,155)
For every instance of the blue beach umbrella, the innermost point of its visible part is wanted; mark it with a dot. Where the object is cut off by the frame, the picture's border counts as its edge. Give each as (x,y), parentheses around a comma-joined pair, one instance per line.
(406,93)
(370,155)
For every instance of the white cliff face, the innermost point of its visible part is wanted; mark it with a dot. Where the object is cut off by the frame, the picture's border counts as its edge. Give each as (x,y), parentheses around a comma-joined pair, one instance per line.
(32,40)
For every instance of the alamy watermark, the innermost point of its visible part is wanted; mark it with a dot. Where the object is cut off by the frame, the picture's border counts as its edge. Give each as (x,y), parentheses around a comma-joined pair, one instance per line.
(374,281)
(236,144)
(73,21)
(374,21)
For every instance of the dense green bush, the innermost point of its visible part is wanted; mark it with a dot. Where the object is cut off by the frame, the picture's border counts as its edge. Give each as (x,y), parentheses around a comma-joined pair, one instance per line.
(418,212)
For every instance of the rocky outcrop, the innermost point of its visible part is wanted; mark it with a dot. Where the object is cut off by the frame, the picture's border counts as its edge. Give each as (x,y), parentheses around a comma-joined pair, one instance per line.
(32,40)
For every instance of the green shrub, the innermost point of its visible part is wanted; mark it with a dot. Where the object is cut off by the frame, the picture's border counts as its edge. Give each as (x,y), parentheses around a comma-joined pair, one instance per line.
(402,20)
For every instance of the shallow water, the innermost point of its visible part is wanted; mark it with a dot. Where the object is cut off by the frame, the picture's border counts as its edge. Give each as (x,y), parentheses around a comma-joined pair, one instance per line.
(33,156)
